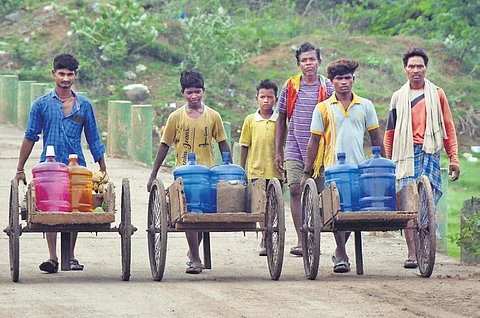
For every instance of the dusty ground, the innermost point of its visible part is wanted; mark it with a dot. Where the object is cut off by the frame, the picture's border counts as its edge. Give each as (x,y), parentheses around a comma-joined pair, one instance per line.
(238,285)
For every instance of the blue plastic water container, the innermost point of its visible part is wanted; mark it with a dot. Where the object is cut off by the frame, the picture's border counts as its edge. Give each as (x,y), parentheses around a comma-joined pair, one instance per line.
(226,172)
(377,183)
(346,179)
(196,182)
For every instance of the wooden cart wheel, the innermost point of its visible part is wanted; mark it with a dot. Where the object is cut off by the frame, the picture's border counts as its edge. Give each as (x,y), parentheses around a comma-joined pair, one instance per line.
(425,240)
(311,229)
(157,229)
(14,231)
(126,230)
(275,228)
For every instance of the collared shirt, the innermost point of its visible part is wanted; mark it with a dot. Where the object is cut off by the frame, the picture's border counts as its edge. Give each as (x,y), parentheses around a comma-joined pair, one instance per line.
(64,132)
(258,134)
(299,124)
(350,127)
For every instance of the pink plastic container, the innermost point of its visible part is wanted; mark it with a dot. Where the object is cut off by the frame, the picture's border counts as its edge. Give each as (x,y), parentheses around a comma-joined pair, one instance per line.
(51,184)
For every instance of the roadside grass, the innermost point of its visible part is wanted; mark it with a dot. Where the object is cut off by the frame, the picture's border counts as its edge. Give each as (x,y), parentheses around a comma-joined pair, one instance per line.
(458,192)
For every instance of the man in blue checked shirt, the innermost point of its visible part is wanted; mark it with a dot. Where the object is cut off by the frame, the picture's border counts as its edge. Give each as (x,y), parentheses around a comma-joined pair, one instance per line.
(61,116)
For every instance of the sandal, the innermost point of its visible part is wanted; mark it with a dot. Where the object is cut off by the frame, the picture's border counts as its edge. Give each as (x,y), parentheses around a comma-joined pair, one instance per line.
(189,264)
(194,269)
(297,250)
(75,265)
(50,266)
(410,264)
(340,266)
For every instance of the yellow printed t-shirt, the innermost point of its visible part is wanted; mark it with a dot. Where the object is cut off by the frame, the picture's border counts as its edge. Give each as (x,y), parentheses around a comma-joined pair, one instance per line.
(193,135)
(258,135)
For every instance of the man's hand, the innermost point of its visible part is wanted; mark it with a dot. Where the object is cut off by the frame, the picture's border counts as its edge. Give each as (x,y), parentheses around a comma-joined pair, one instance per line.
(304,180)
(454,172)
(278,163)
(149,183)
(21,176)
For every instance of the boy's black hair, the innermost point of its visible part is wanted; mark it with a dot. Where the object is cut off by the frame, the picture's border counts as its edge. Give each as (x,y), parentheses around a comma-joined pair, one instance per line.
(191,78)
(66,61)
(306,47)
(415,52)
(267,84)
(341,67)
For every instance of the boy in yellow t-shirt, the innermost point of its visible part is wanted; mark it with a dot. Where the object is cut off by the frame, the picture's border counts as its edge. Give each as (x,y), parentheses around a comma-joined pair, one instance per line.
(258,139)
(191,128)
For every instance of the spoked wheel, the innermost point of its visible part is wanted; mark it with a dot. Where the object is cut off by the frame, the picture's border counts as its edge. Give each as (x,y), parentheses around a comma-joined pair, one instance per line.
(157,229)
(126,230)
(275,228)
(425,240)
(311,229)
(13,231)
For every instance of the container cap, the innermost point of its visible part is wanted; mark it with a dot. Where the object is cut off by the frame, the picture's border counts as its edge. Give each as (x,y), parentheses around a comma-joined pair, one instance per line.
(72,156)
(50,151)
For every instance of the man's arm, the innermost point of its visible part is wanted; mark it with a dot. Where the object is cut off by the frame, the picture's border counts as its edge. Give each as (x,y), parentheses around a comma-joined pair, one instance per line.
(312,150)
(243,156)
(160,157)
(25,151)
(377,140)
(224,147)
(280,130)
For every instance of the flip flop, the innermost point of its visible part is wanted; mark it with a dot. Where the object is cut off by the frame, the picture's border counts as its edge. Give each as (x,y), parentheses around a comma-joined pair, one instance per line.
(297,250)
(194,269)
(340,266)
(50,266)
(189,264)
(410,264)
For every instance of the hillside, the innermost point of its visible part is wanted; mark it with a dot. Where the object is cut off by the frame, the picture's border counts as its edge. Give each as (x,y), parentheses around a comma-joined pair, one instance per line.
(29,42)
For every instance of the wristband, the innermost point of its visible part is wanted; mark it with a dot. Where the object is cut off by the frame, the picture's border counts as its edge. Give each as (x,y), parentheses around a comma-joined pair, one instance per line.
(278,154)
(308,172)
(20,171)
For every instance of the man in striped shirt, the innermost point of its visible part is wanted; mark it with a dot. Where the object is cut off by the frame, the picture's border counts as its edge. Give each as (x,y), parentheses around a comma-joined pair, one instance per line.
(298,98)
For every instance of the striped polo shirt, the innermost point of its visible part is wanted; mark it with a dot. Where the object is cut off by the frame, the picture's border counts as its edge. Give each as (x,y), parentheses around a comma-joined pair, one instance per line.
(299,124)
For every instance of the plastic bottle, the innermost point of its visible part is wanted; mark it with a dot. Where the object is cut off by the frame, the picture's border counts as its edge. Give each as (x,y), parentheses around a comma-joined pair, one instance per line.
(377,183)
(226,172)
(51,184)
(196,182)
(80,186)
(346,179)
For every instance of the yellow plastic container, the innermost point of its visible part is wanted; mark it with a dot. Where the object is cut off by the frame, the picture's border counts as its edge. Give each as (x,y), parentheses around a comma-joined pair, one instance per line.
(80,186)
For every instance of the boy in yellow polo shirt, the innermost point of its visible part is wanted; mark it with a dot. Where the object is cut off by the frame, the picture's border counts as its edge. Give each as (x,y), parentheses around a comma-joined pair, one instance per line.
(258,140)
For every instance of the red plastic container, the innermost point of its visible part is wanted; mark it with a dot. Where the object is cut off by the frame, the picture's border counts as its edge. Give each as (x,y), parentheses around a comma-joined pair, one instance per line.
(51,184)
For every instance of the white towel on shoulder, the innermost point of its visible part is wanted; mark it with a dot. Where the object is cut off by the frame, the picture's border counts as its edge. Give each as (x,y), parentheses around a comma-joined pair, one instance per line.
(402,152)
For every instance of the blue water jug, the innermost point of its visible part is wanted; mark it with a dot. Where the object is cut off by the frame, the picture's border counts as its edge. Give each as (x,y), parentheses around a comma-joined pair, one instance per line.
(226,172)
(196,182)
(346,179)
(377,183)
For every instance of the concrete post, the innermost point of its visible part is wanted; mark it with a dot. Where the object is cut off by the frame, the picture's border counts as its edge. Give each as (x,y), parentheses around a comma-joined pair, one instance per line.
(470,209)
(37,90)
(119,128)
(9,98)
(24,102)
(141,146)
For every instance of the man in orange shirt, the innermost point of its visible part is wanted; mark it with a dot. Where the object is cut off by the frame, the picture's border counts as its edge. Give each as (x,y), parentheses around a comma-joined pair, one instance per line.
(419,124)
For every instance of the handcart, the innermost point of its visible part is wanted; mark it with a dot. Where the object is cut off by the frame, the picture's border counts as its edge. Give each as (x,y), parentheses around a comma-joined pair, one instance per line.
(321,213)
(167,212)
(24,217)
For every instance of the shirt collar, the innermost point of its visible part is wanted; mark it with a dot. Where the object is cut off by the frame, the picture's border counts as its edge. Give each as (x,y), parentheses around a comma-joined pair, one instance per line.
(260,118)
(355,100)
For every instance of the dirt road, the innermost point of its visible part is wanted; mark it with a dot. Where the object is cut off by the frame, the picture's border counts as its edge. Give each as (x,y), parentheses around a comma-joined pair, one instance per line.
(238,284)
